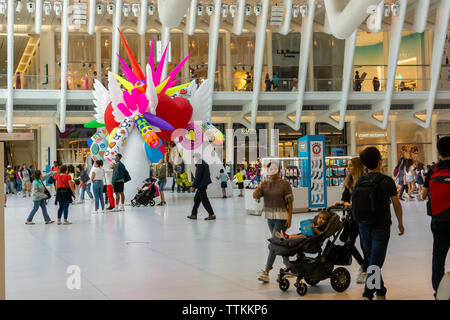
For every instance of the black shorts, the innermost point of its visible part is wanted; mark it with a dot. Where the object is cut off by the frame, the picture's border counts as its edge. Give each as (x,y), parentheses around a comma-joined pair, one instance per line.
(223,184)
(118,186)
(241,185)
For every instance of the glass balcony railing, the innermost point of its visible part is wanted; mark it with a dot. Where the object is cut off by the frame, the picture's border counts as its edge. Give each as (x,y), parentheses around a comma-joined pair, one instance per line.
(43,82)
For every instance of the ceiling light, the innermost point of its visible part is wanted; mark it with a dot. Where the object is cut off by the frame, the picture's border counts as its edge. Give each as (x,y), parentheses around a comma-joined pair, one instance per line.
(99,7)
(151,9)
(248,9)
(2,7)
(295,10)
(386,10)
(199,10)
(394,9)
(233,10)
(110,7)
(30,6)
(136,9)
(224,10)
(257,9)
(47,8)
(57,8)
(304,10)
(210,9)
(19,6)
(126,9)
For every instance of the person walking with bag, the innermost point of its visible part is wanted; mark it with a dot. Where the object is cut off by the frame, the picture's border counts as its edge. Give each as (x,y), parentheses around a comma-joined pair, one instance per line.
(40,195)
(85,183)
(65,191)
(437,188)
(201,181)
(371,200)
(97,177)
(355,170)
(162,179)
(119,182)
(278,199)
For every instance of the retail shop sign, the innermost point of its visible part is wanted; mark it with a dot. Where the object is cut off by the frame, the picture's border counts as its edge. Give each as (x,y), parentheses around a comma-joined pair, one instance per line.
(16,136)
(371,135)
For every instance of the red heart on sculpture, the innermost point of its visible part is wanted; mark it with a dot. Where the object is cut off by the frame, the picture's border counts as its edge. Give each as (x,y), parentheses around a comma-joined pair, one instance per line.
(176,111)
(110,122)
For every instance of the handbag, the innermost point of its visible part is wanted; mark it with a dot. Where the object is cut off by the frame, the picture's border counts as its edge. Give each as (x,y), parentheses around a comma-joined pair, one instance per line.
(126,176)
(47,193)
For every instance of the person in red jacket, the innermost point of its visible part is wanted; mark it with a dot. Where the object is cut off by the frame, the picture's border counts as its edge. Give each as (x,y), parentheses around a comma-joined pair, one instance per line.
(437,189)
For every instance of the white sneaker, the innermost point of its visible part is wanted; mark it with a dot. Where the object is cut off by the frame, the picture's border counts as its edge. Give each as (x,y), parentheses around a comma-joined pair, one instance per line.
(121,208)
(361,279)
(264,276)
(95,211)
(279,235)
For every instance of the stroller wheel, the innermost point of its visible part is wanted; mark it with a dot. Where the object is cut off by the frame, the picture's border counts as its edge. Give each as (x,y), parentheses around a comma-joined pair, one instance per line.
(302,289)
(340,279)
(284,284)
(311,282)
(146,204)
(133,203)
(151,203)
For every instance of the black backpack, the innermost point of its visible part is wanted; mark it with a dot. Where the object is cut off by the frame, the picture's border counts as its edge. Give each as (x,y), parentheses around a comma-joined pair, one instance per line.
(368,203)
(126,176)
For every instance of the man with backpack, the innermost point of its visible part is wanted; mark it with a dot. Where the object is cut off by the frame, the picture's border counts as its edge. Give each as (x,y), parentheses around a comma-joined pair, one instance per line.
(437,188)
(371,199)
(120,176)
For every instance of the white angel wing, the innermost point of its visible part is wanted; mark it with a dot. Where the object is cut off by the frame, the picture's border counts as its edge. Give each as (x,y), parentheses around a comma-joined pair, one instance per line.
(150,93)
(101,101)
(201,102)
(116,97)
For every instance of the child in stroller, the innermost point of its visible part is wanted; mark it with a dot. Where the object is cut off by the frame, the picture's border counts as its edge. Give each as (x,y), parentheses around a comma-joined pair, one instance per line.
(146,193)
(318,227)
(315,268)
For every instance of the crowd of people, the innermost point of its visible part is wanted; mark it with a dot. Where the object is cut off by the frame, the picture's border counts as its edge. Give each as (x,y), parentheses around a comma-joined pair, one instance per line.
(369,194)
(370,220)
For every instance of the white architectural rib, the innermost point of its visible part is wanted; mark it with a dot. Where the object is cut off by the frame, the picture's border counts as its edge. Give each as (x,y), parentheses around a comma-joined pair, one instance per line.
(345,17)
(142,22)
(214,25)
(307,30)
(394,50)
(10,65)
(191,18)
(440,32)
(64,50)
(261,25)
(286,24)
(116,37)
(238,21)
(91,25)
(165,41)
(38,17)
(421,15)
(347,79)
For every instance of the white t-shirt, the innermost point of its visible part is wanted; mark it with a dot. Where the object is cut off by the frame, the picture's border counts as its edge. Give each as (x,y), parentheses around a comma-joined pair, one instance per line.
(99,173)
(108,176)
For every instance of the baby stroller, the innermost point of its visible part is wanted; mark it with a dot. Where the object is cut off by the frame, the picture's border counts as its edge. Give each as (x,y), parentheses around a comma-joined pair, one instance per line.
(321,267)
(146,193)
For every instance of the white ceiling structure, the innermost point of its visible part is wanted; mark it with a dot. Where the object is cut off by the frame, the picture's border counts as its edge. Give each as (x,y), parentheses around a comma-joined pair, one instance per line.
(340,18)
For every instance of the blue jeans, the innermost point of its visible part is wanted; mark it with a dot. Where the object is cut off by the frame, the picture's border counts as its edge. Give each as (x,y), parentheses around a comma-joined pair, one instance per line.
(98,194)
(374,240)
(19,185)
(63,207)
(36,205)
(275,226)
(88,190)
(441,245)
(11,186)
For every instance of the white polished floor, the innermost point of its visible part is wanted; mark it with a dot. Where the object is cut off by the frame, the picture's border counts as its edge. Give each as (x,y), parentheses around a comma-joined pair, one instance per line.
(156,253)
